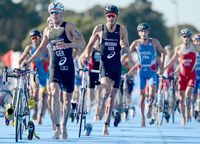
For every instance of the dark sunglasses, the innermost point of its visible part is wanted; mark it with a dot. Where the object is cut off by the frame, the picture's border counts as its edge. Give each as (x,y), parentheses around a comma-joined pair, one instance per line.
(55,12)
(109,16)
(35,38)
(186,37)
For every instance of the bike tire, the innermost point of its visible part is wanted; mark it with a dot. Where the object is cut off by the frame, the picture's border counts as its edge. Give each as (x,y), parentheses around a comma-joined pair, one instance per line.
(81,112)
(162,114)
(27,110)
(17,109)
(173,106)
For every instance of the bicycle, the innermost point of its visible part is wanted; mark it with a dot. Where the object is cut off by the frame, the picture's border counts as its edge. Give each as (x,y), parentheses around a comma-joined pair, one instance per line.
(161,105)
(20,102)
(122,110)
(81,110)
(174,102)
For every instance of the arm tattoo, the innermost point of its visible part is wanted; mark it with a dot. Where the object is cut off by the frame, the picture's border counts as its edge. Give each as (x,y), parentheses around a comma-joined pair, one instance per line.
(78,34)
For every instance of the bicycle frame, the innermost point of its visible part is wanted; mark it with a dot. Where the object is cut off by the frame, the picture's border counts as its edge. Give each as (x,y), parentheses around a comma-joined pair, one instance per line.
(82,107)
(20,98)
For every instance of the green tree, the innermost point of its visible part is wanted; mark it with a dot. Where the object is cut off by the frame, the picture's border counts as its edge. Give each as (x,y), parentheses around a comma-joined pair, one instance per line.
(39,6)
(15,22)
(141,11)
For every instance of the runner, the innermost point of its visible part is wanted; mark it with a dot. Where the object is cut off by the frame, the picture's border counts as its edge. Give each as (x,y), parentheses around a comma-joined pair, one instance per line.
(63,36)
(196,94)
(112,37)
(49,100)
(39,92)
(165,84)
(147,48)
(186,54)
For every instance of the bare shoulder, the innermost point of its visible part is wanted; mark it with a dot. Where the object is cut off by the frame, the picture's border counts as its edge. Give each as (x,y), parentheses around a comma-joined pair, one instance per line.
(177,48)
(71,26)
(155,41)
(134,45)
(123,27)
(98,28)
(135,42)
(28,47)
(46,29)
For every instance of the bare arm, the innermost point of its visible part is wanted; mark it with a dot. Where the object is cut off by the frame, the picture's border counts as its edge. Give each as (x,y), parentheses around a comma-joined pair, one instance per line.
(133,46)
(94,37)
(124,39)
(41,47)
(133,69)
(25,54)
(173,59)
(87,52)
(161,50)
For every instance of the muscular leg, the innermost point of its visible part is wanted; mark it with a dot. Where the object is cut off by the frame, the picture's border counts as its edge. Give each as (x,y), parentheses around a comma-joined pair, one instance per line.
(182,107)
(55,89)
(109,108)
(49,103)
(142,107)
(106,89)
(151,100)
(66,111)
(188,93)
(43,103)
(34,92)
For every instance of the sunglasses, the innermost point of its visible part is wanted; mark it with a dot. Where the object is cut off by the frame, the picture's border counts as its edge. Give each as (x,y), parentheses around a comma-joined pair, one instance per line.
(55,12)
(109,16)
(186,37)
(35,38)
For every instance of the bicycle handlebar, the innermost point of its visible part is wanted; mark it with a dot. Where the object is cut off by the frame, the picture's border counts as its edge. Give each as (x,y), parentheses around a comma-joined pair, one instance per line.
(86,69)
(16,73)
(169,77)
(4,79)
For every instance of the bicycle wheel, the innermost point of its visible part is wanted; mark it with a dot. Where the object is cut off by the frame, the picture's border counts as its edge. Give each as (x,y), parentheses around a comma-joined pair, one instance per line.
(27,110)
(81,112)
(18,127)
(173,107)
(162,113)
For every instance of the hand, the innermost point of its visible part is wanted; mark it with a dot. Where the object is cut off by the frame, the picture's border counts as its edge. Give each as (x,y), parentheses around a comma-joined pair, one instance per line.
(161,70)
(82,61)
(61,45)
(25,64)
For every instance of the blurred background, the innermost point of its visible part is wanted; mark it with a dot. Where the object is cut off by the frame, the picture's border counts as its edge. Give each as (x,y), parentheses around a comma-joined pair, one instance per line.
(166,18)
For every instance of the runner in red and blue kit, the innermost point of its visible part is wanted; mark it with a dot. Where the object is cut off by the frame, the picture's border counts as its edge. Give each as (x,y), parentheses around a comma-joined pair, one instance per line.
(186,52)
(146,49)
